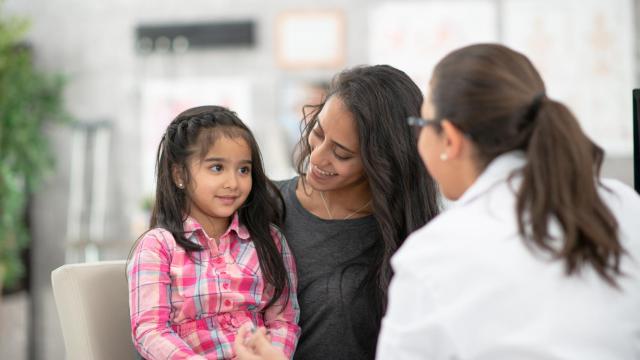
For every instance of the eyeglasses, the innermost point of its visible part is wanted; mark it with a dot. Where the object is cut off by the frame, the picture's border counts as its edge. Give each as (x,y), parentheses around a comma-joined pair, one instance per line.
(420,122)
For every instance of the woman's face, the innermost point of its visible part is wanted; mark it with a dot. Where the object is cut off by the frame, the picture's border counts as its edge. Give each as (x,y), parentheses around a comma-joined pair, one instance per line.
(335,161)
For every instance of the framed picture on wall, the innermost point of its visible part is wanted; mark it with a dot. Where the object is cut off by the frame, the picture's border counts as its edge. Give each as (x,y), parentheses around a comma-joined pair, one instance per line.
(310,39)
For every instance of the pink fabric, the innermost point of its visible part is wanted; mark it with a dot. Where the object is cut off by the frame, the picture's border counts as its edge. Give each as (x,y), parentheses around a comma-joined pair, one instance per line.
(191,308)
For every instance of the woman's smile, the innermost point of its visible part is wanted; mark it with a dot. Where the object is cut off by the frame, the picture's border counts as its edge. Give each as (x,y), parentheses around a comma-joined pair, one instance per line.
(321,175)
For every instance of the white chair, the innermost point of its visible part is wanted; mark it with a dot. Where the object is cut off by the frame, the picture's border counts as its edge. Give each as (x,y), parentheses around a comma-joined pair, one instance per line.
(93,307)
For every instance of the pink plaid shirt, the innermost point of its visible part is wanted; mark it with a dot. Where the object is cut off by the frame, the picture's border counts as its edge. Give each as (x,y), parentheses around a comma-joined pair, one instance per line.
(186,309)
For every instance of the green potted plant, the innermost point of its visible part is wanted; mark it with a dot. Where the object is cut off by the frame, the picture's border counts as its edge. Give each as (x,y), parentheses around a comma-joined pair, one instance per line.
(29,100)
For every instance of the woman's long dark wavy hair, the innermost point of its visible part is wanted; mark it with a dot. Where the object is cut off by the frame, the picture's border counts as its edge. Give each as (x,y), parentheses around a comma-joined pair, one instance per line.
(497,97)
(191,134)
(404,196)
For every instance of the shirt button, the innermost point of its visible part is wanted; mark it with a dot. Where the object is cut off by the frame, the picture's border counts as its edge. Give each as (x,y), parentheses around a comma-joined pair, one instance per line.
(227,302)
(225,286)
(223,273)
(218,260)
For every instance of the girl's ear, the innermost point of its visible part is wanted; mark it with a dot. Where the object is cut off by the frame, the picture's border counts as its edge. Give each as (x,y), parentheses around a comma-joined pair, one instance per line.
(178,177)
(454,140)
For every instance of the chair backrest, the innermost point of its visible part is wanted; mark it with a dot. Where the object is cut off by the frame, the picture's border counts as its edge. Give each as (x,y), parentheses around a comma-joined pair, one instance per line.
(93,307)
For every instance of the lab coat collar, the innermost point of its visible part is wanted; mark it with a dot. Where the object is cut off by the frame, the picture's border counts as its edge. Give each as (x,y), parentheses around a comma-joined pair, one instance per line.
(495,173)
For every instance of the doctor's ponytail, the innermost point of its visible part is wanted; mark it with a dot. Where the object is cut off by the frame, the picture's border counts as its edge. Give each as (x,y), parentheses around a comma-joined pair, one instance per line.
(496,97)
(560,182)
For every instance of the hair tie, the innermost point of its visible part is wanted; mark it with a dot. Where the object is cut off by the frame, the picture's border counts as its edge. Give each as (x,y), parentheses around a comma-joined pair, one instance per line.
(532,113)
(538,98)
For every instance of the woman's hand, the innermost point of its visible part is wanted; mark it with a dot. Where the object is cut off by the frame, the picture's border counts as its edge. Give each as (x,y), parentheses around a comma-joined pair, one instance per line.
(255,345)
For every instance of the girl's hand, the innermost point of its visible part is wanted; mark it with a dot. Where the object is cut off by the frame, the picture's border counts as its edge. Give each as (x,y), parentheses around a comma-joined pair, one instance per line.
(255,345)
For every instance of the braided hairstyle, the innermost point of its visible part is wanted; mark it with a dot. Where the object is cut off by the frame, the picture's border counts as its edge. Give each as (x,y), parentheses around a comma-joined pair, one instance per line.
(192,133)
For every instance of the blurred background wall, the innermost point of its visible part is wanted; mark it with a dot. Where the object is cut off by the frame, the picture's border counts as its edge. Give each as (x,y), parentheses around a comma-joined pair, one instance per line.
(125,84)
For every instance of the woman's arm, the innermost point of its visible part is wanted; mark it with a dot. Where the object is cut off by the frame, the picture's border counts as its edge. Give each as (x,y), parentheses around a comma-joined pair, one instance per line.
(281,319)
(150,303)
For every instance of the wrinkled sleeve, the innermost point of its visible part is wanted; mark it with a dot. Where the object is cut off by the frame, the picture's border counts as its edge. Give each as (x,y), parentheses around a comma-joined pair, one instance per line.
(282,317)
(149,280)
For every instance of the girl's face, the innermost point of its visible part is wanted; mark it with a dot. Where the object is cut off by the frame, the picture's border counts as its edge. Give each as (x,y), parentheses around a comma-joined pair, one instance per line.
(220,182)
(335,160)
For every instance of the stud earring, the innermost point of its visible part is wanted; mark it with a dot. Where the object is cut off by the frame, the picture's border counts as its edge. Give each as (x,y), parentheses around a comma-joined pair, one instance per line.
(444,156)
(181,185)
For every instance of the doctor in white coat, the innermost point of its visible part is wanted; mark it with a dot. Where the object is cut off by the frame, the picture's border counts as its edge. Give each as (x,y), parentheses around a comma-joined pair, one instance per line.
(538,258)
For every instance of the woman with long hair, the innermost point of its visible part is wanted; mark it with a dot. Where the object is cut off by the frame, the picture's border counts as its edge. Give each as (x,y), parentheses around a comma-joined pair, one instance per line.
(361,190)
(538,259)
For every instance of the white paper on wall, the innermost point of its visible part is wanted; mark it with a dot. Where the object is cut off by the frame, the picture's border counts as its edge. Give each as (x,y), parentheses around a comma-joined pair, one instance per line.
(584,51)
(414,36)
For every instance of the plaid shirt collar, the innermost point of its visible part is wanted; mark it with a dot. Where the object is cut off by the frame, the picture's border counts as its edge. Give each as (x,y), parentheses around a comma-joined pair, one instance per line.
(192,226)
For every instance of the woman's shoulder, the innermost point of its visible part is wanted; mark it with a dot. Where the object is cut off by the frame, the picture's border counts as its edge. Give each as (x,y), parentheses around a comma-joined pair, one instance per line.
(286,184)
(288,190)
(442,232)
(458,232)
(624,203)
(617,192)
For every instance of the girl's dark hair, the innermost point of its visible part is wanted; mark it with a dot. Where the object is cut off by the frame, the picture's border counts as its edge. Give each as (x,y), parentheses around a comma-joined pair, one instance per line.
(191,134)
(496,96)
(405,197)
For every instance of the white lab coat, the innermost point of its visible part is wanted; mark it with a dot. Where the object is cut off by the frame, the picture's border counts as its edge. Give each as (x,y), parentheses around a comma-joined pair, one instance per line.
(466,286)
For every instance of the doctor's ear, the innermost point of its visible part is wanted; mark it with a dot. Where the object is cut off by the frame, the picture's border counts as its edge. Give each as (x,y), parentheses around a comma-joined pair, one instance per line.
(454,140)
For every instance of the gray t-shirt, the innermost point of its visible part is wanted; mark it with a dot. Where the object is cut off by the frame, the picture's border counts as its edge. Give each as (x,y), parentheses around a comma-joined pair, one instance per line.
(338,317)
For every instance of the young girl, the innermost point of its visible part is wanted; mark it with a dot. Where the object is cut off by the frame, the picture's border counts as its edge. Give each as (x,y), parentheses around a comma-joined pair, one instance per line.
(212,259)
